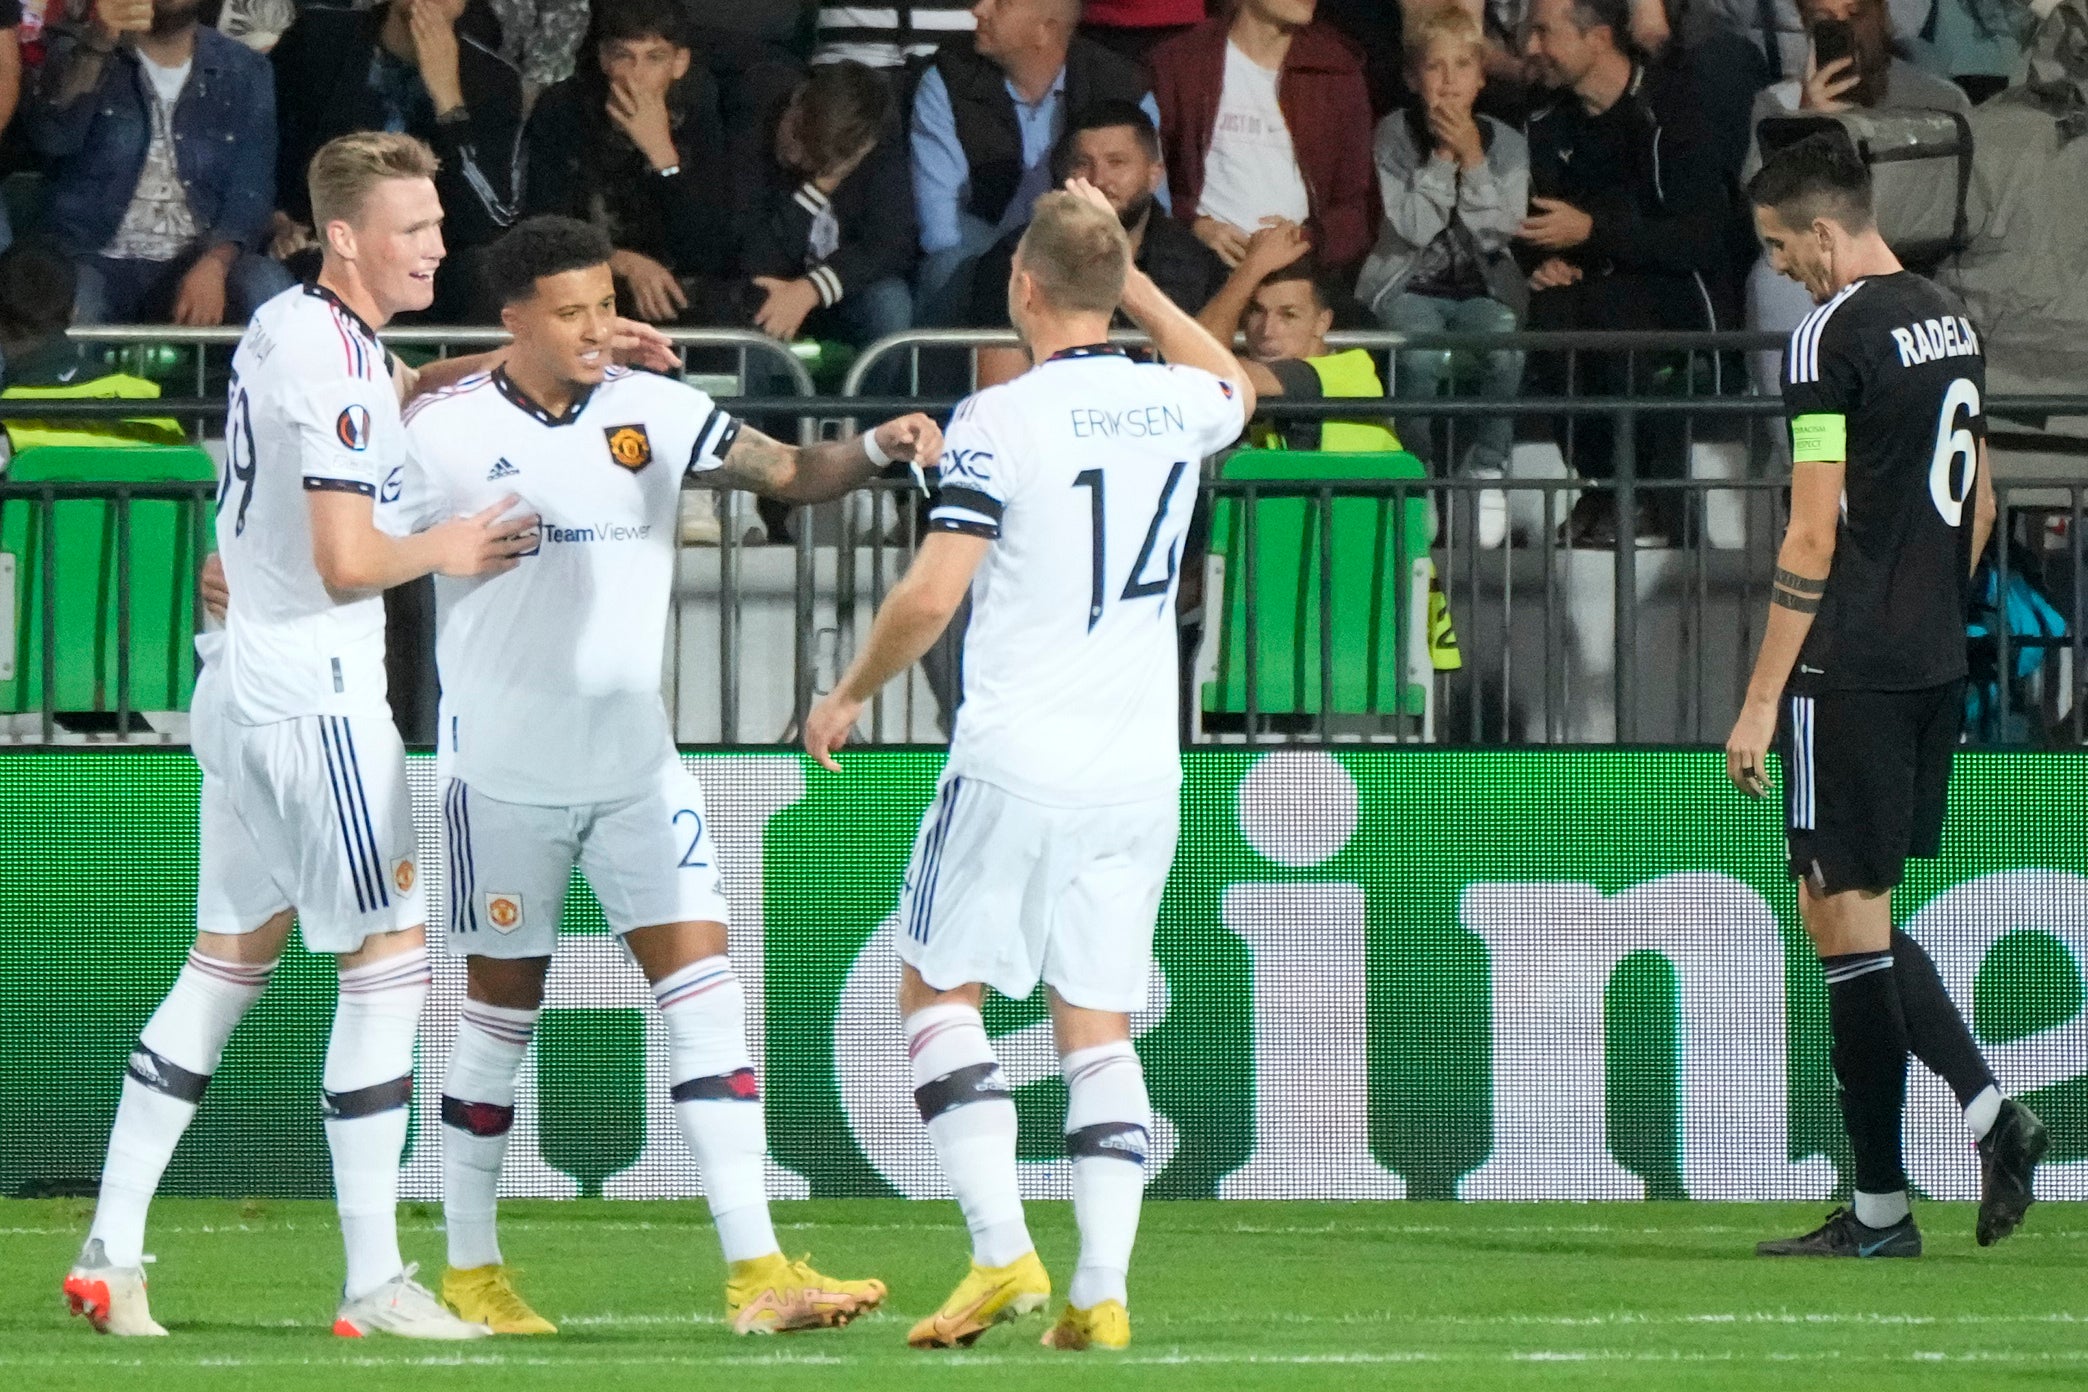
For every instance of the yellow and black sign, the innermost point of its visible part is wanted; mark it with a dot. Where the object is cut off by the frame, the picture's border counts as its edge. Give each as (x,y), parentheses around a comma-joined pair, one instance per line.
(629,446)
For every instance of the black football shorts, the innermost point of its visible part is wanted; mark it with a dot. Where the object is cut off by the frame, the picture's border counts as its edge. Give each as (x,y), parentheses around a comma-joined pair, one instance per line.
(1866,777)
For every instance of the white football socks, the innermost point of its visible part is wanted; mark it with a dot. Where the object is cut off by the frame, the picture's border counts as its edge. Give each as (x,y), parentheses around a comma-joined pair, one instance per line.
(717,1100)
(369,1095)
(970,1113)
(177,1051)
(1108,1125)
(1881,1210)
(478,1109)
(1982,1112)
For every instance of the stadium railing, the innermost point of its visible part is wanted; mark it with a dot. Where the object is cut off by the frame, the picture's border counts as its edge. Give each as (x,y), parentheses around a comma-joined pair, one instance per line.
(1559,643)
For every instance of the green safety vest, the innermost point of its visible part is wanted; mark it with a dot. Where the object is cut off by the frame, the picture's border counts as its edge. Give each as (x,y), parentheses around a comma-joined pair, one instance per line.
(1353,373)
(25,434)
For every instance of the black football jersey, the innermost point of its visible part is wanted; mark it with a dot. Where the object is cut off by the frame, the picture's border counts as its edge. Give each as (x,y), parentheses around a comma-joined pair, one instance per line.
(1889,376)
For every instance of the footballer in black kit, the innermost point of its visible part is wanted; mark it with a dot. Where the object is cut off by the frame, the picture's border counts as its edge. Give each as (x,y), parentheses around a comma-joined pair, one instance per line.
(1860,681)
(1886,379)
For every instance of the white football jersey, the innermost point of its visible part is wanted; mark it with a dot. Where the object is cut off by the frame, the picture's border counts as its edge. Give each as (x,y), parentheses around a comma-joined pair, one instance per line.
(1084,471)
(551,672)
(313,406)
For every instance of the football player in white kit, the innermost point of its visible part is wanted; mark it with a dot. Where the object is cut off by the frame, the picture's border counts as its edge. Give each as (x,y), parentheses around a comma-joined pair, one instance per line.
(304,813)
(1065,496)
(558,753)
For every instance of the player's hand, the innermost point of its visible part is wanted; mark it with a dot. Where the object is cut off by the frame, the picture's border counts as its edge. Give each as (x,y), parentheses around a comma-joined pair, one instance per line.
(829,725)
(655,292)
(1228,241)
(1747,748)
(1555,225)
(635,344)
(210,581)
(917,439)
(115,18)
(1089,194)
(485,543)
(199,301)
(1554,272)
(1824,88)
(435,52)
(787,304)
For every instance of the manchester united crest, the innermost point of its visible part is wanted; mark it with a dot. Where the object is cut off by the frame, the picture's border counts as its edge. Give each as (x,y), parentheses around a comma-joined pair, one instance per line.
(629,446)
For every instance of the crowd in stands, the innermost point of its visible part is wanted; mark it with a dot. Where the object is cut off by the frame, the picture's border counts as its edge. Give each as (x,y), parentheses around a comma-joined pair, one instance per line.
(845,171)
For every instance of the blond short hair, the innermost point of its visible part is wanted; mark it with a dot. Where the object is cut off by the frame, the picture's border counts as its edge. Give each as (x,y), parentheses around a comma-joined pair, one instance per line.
(347,167)
(1076,254)
(1449,26)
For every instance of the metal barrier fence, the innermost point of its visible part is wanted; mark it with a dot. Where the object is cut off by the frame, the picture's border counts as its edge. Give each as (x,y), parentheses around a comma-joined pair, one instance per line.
(141,341)
(1560,642)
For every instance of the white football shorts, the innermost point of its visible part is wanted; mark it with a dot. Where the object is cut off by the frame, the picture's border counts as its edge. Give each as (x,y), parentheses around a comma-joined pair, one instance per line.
(649,859)
(311,813)
(1010,892)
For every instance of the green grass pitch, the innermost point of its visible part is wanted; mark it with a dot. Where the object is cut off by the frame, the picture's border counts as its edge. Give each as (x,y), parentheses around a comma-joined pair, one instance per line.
(1224,1295)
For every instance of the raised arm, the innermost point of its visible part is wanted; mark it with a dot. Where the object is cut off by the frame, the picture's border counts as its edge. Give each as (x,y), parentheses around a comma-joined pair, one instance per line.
(1181,340)
(821,472)
(1268,251)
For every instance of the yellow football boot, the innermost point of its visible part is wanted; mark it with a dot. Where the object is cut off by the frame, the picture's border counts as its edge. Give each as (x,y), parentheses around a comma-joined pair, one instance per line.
(1103,1326)
(988,1295)
(487,1295)
(772,1295)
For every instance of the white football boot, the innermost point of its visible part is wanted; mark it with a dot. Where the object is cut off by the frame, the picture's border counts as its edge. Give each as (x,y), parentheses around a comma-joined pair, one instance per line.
(111,1298)
(405,1307)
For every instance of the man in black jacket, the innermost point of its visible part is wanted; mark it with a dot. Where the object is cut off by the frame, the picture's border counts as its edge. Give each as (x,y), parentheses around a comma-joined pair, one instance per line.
(985,119)
(428,68)
(634,143)
(1630,225)
(1112,145)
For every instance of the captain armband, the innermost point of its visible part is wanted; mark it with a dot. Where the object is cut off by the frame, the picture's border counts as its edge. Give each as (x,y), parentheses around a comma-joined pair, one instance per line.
(1820,439)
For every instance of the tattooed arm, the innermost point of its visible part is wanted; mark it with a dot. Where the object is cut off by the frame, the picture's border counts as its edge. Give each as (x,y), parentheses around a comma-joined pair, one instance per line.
(817,473)
(1802,567)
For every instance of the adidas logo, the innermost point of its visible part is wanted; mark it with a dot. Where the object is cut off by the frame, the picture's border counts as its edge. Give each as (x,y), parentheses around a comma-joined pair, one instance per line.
(502,469)
(1125,1142)
(144,1066)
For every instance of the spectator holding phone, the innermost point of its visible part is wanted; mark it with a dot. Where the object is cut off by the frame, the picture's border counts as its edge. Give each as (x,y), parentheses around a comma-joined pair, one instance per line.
(1782,31)
(1849,63)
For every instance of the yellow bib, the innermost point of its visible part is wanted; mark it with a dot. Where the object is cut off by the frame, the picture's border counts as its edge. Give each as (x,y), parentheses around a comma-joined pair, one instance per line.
(1349,374)
(24,433)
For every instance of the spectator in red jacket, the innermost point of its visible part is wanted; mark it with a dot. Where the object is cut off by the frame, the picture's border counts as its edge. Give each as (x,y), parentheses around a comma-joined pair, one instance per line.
(1263,116)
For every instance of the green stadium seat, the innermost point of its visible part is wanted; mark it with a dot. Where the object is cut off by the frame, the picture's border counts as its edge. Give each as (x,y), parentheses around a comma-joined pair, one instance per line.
(1378,615)
(83,544)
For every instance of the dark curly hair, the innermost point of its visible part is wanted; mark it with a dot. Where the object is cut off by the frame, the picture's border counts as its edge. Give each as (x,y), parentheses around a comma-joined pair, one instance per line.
(535,247)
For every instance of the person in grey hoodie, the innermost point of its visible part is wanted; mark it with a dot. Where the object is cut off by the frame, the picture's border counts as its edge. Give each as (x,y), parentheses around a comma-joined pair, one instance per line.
(1455,187)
